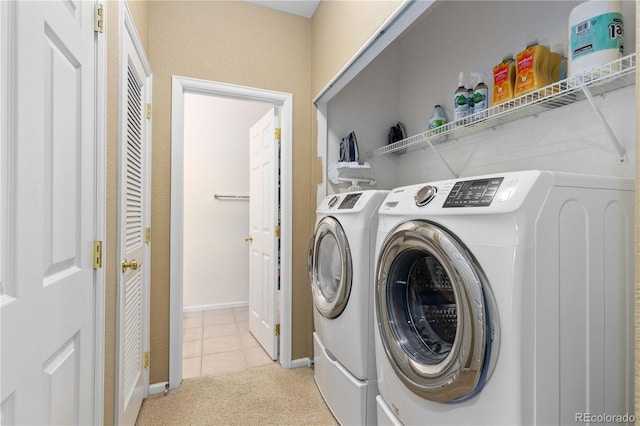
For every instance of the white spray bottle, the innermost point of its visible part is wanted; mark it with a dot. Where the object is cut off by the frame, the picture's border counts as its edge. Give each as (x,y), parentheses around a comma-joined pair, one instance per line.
(461,100)
(480,96)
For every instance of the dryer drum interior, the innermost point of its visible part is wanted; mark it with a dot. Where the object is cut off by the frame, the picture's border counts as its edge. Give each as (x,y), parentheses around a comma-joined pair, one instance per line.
(331,268)
(436,313)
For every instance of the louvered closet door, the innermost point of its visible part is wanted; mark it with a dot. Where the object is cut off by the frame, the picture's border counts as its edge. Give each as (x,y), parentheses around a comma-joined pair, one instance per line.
(134,268)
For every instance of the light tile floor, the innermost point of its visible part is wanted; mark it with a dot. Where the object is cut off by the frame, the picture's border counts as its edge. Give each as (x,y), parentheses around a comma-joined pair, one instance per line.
(219,341)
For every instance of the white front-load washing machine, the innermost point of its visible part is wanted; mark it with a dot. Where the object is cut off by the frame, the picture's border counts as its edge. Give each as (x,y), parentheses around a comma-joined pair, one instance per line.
(506,299)
(341,262)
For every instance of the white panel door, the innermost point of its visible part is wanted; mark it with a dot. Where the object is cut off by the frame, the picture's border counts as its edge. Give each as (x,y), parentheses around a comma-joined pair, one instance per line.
(133,284)
(48,206)
(263,220)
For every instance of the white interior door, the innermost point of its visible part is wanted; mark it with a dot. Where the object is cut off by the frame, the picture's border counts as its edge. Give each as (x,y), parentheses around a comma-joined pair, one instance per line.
(264,232)
(48,213)
(133,284)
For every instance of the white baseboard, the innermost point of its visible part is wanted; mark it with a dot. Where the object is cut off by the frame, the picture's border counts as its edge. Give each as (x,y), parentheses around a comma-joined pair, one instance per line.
(216,306)
(302,362)
(157,388)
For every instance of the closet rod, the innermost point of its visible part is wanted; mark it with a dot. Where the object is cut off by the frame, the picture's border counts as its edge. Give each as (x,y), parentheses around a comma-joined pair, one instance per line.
(230,197)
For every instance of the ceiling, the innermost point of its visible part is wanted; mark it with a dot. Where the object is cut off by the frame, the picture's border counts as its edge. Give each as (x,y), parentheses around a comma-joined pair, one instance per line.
(304,8)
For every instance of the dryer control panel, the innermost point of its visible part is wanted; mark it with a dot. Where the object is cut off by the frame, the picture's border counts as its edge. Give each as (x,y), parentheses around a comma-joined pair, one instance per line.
(350,201)
(473,193)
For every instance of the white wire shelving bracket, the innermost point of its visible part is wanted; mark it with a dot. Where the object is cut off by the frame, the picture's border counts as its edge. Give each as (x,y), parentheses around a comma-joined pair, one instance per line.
(586,85)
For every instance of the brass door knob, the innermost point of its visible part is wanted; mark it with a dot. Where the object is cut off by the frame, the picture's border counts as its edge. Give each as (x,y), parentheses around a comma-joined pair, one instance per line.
(248,239)
(132,264)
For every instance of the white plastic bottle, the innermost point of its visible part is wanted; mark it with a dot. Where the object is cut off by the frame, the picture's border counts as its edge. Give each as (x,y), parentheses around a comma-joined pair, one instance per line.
(461,101)
(437,120)
(480,96)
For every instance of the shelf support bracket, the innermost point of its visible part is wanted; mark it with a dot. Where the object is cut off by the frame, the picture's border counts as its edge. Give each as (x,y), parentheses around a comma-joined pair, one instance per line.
(466,162)
(614,140)
(454,174)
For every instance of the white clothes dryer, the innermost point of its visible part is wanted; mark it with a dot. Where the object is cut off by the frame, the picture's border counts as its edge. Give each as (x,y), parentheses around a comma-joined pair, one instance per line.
(341,261)
(505,299)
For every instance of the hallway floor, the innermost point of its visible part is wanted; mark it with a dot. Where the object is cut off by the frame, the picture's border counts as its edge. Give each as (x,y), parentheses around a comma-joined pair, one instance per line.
(219,341)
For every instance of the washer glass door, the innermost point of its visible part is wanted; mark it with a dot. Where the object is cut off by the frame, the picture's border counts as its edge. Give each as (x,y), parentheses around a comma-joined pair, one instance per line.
(331,268)
(436,313)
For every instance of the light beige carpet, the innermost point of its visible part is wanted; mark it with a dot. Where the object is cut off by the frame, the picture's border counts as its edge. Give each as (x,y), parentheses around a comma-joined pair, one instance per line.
(265,395)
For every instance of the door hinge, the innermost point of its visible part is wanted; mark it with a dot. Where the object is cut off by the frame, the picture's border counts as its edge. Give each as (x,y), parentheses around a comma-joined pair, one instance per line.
(278,133)
(147,235)
(276,231)
(148,109)
(145,360)
(276,330)
(97,254)
(98,18)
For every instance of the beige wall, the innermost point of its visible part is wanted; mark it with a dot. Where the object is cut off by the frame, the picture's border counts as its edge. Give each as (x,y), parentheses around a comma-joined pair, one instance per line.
(338,30)
(111,14)
(239,43)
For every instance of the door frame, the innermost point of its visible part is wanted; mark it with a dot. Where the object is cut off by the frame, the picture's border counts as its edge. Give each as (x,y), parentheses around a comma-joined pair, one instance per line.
(101,222)
(179,87)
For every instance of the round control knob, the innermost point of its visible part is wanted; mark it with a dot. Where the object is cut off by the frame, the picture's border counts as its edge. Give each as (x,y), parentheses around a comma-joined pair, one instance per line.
(425,195)
(332,202)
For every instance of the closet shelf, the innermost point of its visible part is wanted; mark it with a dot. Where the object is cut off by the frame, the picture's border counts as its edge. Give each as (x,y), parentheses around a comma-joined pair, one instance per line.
(598,81)
(339,172)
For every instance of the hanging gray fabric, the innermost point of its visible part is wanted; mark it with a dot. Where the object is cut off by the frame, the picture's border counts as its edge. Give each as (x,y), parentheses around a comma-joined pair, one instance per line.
(349,148)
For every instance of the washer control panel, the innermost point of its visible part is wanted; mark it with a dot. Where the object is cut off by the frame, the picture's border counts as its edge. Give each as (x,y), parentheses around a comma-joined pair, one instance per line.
(473,193)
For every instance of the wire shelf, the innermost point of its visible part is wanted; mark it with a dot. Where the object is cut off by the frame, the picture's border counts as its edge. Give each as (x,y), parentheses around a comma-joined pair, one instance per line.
(595,82)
